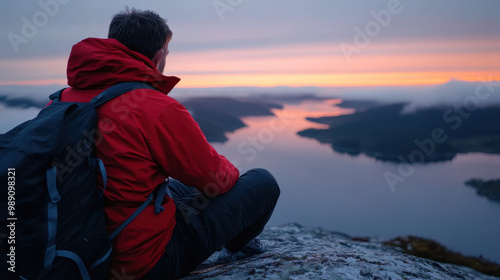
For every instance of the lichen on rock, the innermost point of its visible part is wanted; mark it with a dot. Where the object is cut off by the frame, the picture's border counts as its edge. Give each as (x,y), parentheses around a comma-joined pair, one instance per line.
(297,252)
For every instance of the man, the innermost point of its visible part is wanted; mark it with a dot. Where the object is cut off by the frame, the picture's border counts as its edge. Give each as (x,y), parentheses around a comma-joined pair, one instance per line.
(147,137)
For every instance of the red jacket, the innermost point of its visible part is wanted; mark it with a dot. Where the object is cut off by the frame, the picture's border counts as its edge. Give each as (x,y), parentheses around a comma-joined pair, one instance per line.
(147,136)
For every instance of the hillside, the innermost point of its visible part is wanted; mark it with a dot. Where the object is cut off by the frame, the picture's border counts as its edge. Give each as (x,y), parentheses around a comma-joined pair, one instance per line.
(219,115)
(426,135)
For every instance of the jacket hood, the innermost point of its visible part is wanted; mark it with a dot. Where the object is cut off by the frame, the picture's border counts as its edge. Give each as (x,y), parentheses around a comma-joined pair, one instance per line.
(96,62)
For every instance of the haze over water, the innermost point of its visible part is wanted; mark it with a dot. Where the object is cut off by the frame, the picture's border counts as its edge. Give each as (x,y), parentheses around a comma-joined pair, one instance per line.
(349,194)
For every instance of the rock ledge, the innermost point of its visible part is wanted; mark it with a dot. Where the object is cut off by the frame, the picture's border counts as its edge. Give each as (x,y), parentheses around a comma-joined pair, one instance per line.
(297,252)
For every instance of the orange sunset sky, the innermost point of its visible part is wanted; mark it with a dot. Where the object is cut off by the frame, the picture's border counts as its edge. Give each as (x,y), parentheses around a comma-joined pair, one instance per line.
(304,44)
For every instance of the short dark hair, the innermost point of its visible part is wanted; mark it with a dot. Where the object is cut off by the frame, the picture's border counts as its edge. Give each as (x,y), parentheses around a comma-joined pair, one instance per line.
(142,31)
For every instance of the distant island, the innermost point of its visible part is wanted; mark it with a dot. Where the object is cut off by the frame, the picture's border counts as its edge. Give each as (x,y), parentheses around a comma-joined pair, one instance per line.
(219,115)
(359,105)
(489,189)
(427,135)
(22,102)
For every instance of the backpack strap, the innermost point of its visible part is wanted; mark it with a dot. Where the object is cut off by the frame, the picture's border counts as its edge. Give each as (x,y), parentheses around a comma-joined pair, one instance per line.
(108,94)
(79,262)
(120,228)
(56,96)
(118,90)
(162,189)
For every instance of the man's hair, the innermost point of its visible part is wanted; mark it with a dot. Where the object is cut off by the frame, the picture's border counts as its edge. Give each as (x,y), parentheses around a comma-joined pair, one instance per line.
(142,31)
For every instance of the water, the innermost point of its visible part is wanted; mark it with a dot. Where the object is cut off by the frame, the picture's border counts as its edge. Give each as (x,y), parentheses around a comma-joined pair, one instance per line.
(335,191)
(323,188)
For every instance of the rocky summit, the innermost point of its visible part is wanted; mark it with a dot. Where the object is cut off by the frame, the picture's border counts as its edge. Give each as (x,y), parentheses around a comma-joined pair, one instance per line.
(297,252)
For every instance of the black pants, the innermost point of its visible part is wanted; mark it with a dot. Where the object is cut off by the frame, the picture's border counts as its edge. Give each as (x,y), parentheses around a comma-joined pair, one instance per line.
(204,225)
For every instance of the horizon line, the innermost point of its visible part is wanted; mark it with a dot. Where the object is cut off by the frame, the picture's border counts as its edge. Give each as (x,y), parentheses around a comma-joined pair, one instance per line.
(63,82)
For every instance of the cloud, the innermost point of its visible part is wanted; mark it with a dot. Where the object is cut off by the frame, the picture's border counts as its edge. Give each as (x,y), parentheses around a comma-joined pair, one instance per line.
(453,39)
(485,93)
(255,23)
(455,92)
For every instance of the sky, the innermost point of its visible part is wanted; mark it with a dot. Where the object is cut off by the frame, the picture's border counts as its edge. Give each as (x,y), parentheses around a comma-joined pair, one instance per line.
(265,43)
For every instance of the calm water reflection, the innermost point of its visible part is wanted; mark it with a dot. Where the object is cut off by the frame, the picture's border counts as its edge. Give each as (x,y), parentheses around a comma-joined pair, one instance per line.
(336,191)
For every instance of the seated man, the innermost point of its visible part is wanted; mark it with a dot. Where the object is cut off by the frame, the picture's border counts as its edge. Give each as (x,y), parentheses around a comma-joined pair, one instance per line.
(147,137)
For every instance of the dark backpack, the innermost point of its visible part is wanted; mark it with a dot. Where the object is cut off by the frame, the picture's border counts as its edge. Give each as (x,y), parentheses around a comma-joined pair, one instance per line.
(52,220)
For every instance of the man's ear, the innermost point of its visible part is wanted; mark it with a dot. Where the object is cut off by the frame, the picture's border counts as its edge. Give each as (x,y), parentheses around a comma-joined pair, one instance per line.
(158,56)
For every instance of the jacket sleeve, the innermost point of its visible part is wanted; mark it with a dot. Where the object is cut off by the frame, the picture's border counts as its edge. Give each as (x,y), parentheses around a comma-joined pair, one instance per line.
(181,149)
